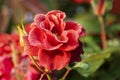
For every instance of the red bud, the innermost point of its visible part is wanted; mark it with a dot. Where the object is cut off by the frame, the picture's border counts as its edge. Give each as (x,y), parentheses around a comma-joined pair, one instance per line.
(101,7)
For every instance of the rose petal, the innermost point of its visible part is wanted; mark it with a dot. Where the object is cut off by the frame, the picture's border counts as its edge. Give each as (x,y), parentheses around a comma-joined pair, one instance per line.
(6,49)
(47,24)
(30,50)
(59,24)
(5,70)
(53,41)
(57,13)
(39,18)
(76,54)
(72,42)
(4,39)
(29,27)
(82,33)
(43,22)
(76,27)
(54,60)
(8,61)
(36,37)
(57,18)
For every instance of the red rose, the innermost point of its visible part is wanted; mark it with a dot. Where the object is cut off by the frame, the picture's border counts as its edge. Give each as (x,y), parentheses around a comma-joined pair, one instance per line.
(5,43)
(53,39)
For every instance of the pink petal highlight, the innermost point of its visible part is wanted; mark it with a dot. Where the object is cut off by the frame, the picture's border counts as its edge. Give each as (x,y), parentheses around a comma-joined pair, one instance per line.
(36,37)
(57,13)
(39,18)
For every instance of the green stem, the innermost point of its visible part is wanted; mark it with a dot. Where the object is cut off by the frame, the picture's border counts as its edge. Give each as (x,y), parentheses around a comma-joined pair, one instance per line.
(42,75)
(32,58)
(103,34)
(48,76)
(15,60)
(14,56)
(102,26)
(66,73)
(93,6)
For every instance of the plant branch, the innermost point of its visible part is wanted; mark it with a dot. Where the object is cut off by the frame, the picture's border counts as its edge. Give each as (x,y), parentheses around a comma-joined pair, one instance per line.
(66,73)
(102,26)
(103,34)
(32,58)
(48,76)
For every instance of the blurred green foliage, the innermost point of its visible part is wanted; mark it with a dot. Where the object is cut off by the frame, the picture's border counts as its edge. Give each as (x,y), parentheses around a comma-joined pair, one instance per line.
(96,64)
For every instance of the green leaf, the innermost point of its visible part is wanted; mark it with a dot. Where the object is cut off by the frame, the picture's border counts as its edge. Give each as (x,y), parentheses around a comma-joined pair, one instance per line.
(91,63)
(93,66)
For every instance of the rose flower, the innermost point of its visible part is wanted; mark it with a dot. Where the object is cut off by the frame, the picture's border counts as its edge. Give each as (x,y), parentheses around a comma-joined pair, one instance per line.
(54,41)
(9,44)
(5,43)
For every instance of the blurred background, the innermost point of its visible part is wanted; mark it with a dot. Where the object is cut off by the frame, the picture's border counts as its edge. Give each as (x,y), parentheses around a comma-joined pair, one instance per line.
(100,18)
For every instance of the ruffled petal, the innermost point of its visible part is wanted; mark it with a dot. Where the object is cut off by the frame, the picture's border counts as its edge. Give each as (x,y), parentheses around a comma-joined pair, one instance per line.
(54,60)
(58,13)
(57,18)
(54,42)
(76,27)
(72,42)
(47,24)
(29,27)
(39,18)
(36,37)
(43,22)
(30,50)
